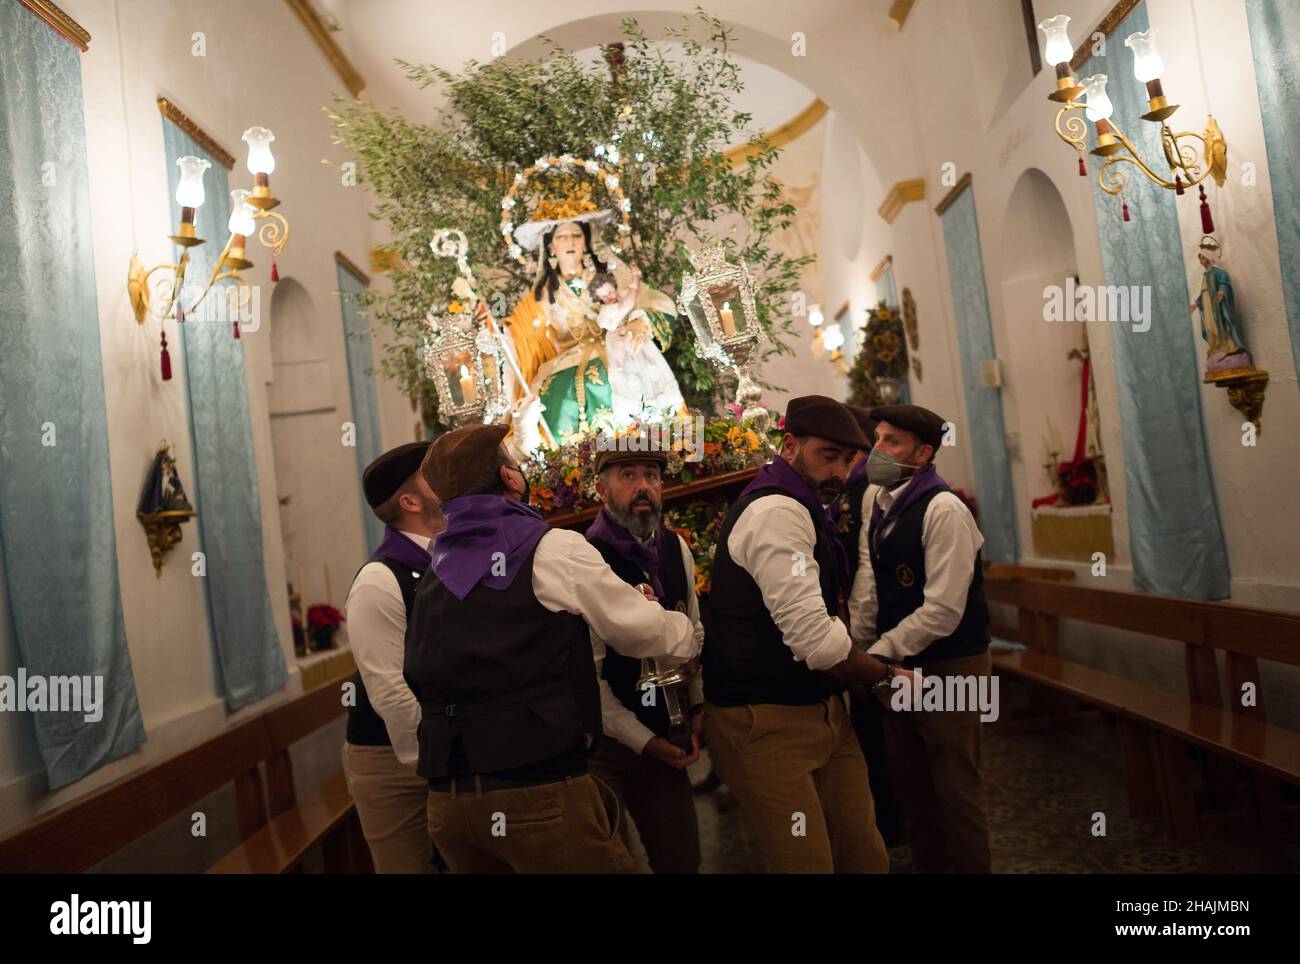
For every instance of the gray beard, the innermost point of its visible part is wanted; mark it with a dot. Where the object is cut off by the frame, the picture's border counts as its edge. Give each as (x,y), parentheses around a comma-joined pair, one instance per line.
(641,528)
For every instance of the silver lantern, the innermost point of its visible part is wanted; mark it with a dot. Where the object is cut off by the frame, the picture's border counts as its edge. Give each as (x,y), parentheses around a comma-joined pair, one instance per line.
(719,300)
(464,361)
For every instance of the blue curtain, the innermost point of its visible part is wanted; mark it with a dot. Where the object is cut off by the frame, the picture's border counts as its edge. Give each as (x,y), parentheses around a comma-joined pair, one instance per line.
(250,662)
(1275,41)
(365,406)
(56,504)
(983,429)
(1175,535)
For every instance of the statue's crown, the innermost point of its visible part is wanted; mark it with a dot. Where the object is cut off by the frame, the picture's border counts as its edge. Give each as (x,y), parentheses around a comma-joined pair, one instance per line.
(575,200)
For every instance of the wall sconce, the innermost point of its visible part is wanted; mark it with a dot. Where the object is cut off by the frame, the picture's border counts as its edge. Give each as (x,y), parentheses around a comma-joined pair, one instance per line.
(1112,145)
(248,208)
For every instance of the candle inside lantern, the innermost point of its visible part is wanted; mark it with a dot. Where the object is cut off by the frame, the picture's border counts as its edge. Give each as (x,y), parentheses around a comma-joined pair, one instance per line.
(467,391)
(728,320)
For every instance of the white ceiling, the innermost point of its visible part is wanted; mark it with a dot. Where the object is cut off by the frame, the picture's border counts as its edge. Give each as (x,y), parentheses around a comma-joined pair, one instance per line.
(376,33)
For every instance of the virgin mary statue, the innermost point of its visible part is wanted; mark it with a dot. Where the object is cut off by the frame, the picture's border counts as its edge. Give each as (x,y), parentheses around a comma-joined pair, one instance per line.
(556,335)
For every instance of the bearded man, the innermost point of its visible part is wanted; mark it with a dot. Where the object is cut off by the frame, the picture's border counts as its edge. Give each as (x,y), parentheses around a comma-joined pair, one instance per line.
(636,757)
(778,658)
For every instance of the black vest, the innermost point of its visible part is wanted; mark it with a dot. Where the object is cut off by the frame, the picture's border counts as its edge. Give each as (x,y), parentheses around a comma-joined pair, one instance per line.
(849,521)
(365,726)
(505,685)
(622,672)
(898,562)
(745,658)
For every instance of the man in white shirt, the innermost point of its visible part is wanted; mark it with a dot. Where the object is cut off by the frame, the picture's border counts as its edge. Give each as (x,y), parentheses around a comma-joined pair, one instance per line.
(499,655)
(380,752)
(918,600)
(777,656)
(643,756)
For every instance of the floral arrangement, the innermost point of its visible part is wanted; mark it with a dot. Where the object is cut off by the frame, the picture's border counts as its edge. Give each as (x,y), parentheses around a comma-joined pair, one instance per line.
(323,622)
(883,355)
(700,524)
(564,478)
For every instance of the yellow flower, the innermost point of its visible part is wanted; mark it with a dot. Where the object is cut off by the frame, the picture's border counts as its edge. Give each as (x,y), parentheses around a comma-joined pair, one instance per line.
(752,439)
(573,476)
(456,308)
(884,314)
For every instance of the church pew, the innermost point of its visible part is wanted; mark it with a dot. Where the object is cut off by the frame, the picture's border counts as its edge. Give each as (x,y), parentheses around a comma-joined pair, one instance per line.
(325,816)
(78,835)
(1157,727)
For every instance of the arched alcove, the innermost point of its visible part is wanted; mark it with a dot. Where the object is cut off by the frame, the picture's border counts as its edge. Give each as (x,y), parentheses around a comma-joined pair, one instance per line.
(1042,383)
(303,398)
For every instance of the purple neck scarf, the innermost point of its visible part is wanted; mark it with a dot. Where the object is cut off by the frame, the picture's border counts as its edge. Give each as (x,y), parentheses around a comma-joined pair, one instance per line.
(483,530)
(403,549)
(922,482)
(778,474)
(607,529)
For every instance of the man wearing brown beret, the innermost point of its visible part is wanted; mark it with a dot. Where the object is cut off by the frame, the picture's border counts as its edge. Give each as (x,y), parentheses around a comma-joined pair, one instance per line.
(777,656)
(380,752)
(641,758)
(918,599)
(499,655)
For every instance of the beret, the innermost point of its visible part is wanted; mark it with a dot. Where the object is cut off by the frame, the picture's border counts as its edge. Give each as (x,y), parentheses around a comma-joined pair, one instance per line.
(614,456)
(921,422)
(866,421)
(457,460)
(386,474)
(826,418)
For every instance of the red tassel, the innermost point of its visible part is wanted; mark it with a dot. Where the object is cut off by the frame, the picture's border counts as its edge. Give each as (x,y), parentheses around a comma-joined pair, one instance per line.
(236,323)
(166,360)
(1124,209)
(1178,185)
(1207,222)
(180,312)
(1083,168)
(275,272)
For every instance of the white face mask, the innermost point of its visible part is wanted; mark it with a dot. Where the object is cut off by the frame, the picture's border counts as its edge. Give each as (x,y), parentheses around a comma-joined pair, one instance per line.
(884,469)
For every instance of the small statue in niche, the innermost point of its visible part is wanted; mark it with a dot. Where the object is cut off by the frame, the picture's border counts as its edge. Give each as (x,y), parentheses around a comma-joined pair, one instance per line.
(1225,348)
(163,506)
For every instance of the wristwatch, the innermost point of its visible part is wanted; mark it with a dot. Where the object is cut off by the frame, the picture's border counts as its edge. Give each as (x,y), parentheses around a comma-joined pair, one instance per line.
(885,682)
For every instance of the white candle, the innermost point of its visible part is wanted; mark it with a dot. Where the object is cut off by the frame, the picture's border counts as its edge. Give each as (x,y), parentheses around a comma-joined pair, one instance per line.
(467,390)
(728,321)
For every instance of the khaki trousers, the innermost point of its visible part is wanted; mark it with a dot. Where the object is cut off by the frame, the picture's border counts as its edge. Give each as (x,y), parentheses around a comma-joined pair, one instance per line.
(553,828)
(390,799)
(934,759)
(659,799)
(801,781)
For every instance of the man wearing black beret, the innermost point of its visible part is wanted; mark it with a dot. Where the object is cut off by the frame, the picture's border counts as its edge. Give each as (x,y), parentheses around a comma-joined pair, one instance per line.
(380,753)
(918,600)
(777,656)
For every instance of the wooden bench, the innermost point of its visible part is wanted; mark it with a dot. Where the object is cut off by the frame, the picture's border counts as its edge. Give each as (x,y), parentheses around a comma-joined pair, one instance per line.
(78,835)
(1157,727)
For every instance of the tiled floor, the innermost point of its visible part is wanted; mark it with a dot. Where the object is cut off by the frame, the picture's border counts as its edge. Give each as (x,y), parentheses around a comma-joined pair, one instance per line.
(1043,791)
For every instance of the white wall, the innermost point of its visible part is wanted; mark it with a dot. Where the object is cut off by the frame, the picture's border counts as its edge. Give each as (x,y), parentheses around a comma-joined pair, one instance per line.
(260,68)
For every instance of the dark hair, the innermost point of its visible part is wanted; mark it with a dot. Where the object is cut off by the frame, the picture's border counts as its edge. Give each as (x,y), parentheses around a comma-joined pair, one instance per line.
(550,279)
(489,483)
(602,278)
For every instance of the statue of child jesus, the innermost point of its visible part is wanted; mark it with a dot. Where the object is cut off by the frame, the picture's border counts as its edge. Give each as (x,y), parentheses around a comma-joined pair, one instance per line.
(641,382)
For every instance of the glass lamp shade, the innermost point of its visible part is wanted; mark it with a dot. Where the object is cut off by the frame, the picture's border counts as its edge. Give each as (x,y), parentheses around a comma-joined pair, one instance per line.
(1147,63)
(833,337)
(815,317)
(1058,49)
(1097,103)
(241,215)
(260,160)
(460,380)
(189,192)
